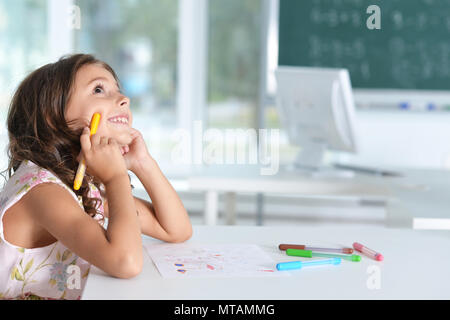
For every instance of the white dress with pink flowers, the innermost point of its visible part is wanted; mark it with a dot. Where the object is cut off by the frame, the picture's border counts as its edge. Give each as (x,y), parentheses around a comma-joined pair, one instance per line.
(50,272)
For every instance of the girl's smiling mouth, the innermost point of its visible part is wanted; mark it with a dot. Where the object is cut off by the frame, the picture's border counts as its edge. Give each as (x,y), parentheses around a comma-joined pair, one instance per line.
(121,119)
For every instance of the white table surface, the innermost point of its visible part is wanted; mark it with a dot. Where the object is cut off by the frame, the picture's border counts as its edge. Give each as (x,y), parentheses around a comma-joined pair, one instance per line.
(416,266)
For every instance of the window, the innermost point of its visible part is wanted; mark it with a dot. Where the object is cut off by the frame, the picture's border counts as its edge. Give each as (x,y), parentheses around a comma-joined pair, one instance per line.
(23,49)
(270,115)
(234,67)
(139,40)
(24,45)
(233,62)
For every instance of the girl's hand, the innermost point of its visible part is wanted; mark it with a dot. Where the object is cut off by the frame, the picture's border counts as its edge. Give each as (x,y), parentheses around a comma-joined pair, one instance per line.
(136,153)
(96,152)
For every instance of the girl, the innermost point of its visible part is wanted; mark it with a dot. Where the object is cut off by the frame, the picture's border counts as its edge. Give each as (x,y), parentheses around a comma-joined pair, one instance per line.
(50,234)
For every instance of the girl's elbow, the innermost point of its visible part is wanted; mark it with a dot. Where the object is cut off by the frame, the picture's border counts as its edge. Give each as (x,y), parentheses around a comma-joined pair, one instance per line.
(129,267)
(182,236)
(188,233)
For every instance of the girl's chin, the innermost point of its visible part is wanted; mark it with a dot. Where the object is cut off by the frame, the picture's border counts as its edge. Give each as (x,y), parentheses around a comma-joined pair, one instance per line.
(123,139)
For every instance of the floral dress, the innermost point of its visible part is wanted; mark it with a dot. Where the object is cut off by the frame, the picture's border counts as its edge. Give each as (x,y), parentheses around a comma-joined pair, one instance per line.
(50,272)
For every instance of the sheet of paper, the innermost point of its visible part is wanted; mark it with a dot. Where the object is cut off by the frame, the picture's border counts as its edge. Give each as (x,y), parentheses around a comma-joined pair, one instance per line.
(183,260)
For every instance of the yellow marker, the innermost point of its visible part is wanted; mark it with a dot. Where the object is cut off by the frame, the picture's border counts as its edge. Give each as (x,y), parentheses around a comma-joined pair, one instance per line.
(82,166)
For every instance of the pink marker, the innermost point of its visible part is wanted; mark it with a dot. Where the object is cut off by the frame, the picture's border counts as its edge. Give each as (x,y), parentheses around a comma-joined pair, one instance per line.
(374,255)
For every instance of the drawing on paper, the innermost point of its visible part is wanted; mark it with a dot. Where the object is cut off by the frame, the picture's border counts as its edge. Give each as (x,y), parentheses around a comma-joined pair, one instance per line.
(224,260)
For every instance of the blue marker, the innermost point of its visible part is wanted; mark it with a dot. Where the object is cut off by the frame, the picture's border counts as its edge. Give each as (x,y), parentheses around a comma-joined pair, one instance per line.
(300,264)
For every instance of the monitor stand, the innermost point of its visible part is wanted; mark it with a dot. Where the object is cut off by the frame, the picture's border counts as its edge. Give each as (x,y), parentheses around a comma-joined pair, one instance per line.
(321,172)
(309,161)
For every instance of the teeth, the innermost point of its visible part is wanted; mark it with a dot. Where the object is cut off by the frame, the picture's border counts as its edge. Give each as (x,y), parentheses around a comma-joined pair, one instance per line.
(119,120)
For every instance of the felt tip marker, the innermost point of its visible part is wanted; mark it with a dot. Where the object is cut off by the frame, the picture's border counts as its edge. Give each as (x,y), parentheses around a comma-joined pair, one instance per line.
(300,264)
(303,247)
(310,254)
(82,165)
(369,252)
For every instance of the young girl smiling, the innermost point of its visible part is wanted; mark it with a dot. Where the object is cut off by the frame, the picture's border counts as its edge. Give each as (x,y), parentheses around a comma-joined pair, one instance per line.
(48,231)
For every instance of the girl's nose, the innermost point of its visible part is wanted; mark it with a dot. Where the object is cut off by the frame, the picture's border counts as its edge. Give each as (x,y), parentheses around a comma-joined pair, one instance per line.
(124,101)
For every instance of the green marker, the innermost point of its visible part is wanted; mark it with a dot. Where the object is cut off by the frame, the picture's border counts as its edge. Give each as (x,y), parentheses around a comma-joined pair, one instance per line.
(310,254)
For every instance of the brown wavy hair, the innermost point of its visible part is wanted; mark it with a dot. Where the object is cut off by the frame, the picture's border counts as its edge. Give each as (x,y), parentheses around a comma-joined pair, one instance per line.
(37,128)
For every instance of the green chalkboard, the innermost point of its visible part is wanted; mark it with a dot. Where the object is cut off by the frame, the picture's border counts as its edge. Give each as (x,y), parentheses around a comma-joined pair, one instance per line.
(410,51)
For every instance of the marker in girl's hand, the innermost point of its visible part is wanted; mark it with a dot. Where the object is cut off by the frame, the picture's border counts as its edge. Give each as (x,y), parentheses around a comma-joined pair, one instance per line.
(82,166)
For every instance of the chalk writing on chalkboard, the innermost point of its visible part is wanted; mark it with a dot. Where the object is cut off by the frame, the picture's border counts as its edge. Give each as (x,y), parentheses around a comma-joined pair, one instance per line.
(411,51)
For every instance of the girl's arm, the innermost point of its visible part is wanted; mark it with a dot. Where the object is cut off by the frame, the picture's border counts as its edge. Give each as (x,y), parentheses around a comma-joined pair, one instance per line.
(165,218)
(148,221)
(123,226)
(117,250)
(172,227)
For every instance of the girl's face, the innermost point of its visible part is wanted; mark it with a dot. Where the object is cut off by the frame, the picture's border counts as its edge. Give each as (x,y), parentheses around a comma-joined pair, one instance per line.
(96,90)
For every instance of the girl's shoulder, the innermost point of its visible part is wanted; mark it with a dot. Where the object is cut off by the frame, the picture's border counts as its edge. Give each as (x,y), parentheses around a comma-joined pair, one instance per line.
(27,176)
(15,214)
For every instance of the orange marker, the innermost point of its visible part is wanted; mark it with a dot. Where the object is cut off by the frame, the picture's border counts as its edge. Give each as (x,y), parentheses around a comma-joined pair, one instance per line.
(82,166)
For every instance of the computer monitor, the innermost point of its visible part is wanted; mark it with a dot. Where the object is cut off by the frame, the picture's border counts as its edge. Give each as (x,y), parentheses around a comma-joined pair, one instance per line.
(317,110)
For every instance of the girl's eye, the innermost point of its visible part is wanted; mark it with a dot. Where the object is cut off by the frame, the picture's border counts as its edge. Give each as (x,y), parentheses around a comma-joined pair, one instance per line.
(98,89)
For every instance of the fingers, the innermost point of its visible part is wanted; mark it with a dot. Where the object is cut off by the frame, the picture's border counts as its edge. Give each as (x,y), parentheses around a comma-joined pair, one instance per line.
(79,156)
(103,141)
(134,133)
(95,139)
(88,142)
(85,140)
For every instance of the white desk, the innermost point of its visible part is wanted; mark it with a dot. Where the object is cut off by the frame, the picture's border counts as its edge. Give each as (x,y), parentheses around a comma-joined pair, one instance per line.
(419,199)
(415,267)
